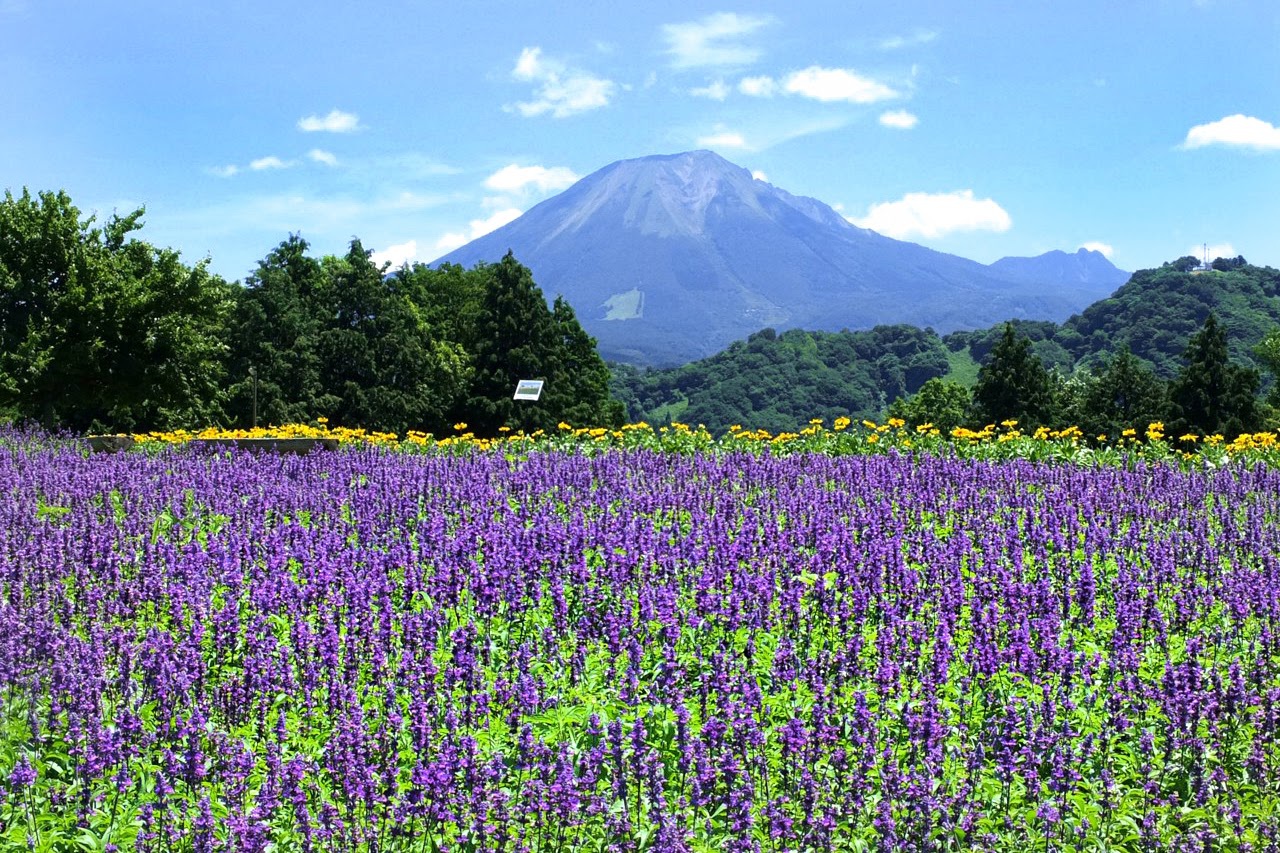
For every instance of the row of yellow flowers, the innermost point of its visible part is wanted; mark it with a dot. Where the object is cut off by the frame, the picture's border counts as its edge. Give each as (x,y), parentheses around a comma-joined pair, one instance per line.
(1003,440)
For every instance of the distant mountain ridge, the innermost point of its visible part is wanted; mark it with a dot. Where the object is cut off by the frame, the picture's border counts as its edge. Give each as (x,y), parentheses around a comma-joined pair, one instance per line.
(1084,267)
(669,258)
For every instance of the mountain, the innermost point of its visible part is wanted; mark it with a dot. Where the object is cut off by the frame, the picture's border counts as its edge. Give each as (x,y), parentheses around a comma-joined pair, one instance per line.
(1085,268)
(670,258)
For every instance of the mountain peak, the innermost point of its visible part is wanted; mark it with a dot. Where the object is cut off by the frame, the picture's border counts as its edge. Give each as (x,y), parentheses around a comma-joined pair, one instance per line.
(663,194)
(1086,267)
(671,257)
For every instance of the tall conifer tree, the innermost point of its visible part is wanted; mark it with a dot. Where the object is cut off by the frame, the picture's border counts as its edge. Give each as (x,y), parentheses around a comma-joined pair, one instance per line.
(1013,384)
(1211,394)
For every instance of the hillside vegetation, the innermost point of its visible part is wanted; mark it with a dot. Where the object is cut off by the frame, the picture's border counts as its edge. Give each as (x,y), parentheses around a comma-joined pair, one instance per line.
(780,381)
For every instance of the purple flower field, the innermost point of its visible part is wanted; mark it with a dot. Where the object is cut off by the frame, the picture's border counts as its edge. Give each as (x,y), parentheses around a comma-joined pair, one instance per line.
(371,650)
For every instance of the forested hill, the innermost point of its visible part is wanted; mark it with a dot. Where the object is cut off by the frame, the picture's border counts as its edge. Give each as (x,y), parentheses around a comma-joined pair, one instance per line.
(780,381)
(777,381)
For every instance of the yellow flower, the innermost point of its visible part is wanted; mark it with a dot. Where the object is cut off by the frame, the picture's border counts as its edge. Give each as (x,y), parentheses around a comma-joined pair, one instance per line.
(840,423)
(1009,424)
(1191,436)
(1129,433)
(815,421)
(460,426)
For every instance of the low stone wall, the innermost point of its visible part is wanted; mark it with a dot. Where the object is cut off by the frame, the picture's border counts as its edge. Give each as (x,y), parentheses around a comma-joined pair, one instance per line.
(109,443)
(268,445)
(116,443)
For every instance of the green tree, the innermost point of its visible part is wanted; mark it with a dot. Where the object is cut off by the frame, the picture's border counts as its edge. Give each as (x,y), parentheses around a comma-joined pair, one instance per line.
(514,336)
(940,402)
(380,363)
(1121,394)
(100,330)
(1211,394)
(275,333)
(1014,384)
(518,337)
(578,382)
(1267,351)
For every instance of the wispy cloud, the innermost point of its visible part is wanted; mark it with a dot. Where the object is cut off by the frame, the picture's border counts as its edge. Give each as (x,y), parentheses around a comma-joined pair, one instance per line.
(263,164)
(716,90)
(476,229)
(723,139)
(759,87)
(1240,131)
(900,119)
(516,178)
(397,255)
(917,38)
(224,171)
(561,91)
(759,175)
(1096,246)
(335,122)
(317,155)
(714,40)
(932,215)
(1215,251)
(820,84)
(836,84)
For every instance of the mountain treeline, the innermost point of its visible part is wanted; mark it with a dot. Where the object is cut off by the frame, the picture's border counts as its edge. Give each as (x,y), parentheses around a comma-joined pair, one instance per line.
(1194,348)
(102,331)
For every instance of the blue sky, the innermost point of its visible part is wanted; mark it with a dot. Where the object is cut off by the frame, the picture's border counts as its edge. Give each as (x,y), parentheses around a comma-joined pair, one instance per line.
(985,129)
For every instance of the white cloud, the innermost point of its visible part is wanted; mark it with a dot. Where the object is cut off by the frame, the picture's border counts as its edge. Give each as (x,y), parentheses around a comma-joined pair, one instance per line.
(319,156)
(561,91)
(760,87)
(224,171)
(900,119)
(713,40)
(1095,246)
(476,229)
(515,178)
(450,241)
(836,84)
(1215,251)
(723,139)
(265,163)
(1239,130)
(759,175)
(397,255)
(716,91)
(916,38)
(335,122)
(935,215)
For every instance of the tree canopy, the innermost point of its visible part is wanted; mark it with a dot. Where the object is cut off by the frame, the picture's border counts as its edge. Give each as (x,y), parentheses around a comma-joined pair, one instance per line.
(102,331)
(99,329)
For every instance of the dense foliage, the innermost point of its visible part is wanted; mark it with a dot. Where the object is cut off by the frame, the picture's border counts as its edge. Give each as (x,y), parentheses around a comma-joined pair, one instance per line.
(101,331)
(778,381)
(634,651)
(98,328)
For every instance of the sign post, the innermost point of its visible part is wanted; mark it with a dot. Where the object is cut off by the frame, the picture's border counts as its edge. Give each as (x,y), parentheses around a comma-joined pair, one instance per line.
(528,389)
